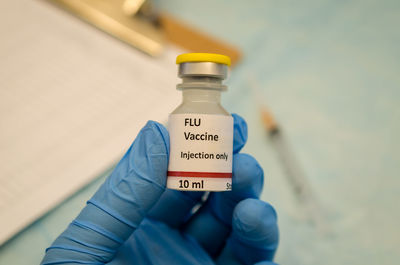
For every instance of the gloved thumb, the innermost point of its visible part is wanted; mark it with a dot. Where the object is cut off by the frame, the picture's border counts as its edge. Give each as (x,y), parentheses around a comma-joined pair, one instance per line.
(119,205)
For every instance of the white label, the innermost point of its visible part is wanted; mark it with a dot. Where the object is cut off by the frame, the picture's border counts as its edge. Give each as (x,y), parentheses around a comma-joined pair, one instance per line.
(200,152)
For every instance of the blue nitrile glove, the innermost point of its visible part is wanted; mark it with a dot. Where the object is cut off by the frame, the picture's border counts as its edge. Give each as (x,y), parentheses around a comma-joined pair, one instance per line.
(133,219)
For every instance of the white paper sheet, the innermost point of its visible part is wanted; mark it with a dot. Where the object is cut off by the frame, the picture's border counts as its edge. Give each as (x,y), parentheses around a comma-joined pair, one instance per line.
(72,100)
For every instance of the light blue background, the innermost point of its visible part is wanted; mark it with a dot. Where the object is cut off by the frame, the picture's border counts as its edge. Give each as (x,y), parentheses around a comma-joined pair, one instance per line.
(330,72)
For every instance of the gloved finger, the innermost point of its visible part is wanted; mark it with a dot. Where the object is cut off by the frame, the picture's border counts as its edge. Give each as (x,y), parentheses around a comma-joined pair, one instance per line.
(174,207)
(232,260)
(239,133)
(119,205)
(211,225)
(255,234)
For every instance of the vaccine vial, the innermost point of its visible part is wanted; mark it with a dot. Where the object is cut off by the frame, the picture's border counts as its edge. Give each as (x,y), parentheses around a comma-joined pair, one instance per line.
(200,129)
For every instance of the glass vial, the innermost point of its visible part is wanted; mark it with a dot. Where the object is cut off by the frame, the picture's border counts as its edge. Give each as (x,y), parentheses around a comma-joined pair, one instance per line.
(201,130)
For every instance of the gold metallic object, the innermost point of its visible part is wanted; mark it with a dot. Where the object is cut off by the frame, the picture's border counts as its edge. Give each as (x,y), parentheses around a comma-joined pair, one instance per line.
(111,17)
(131,7)
(137,23)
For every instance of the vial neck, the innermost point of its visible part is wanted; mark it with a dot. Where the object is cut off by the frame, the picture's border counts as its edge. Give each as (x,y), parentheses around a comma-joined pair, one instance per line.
(201,79)
(201,95)
(201,82)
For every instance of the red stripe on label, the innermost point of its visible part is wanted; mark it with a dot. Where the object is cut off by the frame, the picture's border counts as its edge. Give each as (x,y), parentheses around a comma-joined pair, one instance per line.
(198,174)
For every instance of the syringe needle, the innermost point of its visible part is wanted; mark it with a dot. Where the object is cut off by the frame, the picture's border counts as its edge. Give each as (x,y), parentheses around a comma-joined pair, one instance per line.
(294,173)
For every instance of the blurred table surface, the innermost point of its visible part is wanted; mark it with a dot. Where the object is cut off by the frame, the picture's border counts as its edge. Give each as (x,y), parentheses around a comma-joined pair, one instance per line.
(330,72)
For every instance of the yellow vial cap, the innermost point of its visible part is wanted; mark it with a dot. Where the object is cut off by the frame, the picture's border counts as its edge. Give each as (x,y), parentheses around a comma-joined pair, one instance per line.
(203,57)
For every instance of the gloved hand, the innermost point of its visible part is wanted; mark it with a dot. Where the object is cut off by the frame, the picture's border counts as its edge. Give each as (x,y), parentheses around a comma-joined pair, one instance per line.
(133,219)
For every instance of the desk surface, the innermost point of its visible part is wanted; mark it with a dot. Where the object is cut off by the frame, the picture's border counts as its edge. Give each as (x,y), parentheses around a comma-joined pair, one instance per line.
(330,72)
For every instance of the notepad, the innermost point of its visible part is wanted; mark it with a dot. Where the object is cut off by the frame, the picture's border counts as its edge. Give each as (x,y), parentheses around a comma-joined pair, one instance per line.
(72,100)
